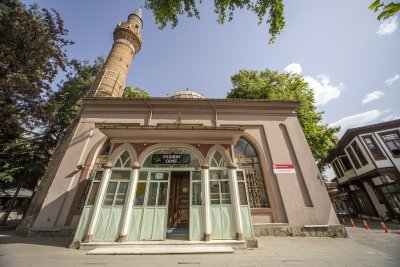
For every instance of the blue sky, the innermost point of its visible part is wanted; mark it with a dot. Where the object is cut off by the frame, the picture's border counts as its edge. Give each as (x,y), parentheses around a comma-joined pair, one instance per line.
(351,60)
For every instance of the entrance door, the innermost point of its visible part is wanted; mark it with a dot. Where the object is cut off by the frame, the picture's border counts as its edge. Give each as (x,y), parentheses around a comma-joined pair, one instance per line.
(154,210)
(178,207)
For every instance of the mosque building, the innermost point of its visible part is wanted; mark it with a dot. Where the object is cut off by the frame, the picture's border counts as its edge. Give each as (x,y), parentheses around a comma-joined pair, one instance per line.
(183,167)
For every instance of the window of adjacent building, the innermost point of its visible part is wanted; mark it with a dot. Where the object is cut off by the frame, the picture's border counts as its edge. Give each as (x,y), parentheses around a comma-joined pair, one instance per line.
(337,168)
(359,153)
(392,195)
(392,141)
(353,158)
(373,148)
(364,204)
(346,163)
(248,161)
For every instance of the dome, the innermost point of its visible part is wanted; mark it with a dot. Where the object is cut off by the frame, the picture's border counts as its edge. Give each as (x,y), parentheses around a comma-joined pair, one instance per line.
(186,94)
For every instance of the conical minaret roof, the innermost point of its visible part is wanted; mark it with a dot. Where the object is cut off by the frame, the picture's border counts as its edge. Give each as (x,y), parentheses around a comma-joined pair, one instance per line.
(138,12)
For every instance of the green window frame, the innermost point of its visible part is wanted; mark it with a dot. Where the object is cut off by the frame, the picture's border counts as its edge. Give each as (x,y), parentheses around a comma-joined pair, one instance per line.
(196,188)
(94,187)
(117,188)
(220,192)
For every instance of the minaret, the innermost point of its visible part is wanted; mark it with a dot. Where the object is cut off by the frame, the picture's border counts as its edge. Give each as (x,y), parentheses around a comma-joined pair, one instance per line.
(110,82)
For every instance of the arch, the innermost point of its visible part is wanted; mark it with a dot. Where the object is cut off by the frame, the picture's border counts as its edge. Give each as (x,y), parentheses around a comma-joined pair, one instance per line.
(155,147)
(224,152)
(246,153)
(258,150)
(83,179)
(94,152)
(117,152)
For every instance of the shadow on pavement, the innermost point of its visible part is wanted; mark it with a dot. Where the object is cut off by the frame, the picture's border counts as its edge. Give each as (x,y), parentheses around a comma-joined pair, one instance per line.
(9,237)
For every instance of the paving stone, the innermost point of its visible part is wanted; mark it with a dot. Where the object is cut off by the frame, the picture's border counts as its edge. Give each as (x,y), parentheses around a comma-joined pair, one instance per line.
(362,248)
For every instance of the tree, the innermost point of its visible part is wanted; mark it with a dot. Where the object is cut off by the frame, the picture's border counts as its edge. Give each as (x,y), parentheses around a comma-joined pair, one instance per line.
(135,93)
(20,162)
(32,42)
(388,10)
(288,86)
(168,11)
(24,161)
(66,102)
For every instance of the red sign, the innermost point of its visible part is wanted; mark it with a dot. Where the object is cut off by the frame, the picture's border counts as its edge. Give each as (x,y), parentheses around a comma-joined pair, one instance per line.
(283,168)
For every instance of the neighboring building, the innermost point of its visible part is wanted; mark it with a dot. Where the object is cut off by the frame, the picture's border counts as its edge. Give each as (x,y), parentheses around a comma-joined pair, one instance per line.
(182,167)
(20,204)
(366,162)
(340,199)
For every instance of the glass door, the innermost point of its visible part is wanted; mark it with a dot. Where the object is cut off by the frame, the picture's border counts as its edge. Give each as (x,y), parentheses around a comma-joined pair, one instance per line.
(108,224)
(244,204)
(155,208)
(196,231)
(222,216)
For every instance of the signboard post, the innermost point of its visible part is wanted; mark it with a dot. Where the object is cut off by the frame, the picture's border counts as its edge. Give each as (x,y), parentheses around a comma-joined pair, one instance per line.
(283,168)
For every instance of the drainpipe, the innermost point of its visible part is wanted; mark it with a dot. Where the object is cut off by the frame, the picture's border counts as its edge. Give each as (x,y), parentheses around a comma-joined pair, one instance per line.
(216,113)
(151,112)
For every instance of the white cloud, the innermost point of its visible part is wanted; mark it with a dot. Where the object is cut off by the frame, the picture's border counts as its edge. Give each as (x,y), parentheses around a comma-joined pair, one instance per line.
(372,97)
(388,26)
(324,91)
(392,117)
(294,68)
(390,81)
(357,120)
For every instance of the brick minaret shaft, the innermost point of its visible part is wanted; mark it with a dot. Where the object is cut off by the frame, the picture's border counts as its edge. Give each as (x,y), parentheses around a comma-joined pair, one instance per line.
(110,82)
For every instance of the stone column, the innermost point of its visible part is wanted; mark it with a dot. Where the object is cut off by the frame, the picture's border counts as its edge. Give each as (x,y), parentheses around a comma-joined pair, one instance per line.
(127,216)
(236,202)
(98,202)
(205,177)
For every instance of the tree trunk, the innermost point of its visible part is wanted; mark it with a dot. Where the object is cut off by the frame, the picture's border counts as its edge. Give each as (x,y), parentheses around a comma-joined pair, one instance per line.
(8,210)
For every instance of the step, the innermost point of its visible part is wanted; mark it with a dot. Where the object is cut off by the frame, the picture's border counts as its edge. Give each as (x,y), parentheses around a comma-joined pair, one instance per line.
(151,250)
(235,244)
(178,236)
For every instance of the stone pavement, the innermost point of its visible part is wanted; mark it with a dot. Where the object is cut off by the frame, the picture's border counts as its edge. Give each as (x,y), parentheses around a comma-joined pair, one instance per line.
(363,248)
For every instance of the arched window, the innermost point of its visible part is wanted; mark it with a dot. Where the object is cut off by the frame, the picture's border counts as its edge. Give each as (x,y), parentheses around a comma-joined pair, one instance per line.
(124,161)
(218,160)
(247,160)
(95,177)
(219,180)
(119,180)
(103,155)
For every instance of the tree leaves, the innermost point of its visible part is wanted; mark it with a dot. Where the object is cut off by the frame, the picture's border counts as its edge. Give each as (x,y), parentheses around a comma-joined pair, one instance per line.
(388,11)
(135,93)
(288,86)
(166,11)
(24,160)
(32,43)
